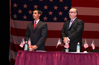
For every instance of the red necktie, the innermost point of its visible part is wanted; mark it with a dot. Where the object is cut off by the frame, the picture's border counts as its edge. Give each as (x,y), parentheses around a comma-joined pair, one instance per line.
(34,24)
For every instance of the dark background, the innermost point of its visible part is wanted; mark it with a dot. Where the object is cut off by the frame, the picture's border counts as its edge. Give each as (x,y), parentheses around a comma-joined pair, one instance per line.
(5,32)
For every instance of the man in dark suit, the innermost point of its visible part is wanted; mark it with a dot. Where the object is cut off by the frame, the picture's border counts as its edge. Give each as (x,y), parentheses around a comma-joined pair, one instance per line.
(72,30)
(37,32)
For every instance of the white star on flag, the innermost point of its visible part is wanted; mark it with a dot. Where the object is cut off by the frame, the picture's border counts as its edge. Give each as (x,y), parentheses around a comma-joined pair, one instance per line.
(93,45)
(20,11)
(15,5)
(50,13)
(35,6)
(55,7)
(85,44)
(65,19)
(55,19)
(24,17)
(51,1)
(58,43)
(30,12)
(60,13)
(45,7)
(45,18)
(61,0)
(25,6)
(65,8)
(15,16)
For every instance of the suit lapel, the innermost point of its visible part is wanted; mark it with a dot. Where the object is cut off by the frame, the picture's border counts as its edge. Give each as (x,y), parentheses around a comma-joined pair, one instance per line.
(72,23)
(68,24)
(32,26)
(36,25)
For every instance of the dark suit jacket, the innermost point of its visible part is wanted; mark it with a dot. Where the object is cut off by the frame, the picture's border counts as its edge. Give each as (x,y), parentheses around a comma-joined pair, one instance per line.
(74,33)
(37,35)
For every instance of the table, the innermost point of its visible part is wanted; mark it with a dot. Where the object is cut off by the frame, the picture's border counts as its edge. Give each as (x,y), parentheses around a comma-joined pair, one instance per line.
(56,58)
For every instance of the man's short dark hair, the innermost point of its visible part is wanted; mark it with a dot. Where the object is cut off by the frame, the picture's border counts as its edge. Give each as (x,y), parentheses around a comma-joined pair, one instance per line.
(39,12)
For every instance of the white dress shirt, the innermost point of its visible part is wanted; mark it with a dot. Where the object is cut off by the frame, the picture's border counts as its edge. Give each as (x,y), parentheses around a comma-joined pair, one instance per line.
(37,21)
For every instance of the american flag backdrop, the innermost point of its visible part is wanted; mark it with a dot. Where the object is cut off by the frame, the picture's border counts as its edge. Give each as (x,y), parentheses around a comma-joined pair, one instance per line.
(54,13)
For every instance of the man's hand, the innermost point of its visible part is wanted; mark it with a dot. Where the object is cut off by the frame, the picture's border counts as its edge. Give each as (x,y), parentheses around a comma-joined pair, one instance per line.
(34,47)
(66,45)
(65,39)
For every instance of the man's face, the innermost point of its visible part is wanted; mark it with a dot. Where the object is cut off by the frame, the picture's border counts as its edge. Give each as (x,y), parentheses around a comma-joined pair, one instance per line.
(72,13)
(35,14)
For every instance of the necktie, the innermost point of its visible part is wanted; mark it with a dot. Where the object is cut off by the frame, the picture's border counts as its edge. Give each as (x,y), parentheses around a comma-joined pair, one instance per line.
(70,24)
(34,24)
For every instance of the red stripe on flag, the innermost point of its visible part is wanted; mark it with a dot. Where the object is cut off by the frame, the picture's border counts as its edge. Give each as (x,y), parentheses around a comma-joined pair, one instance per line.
(88,19)
(85,3)
(15,47)
(18,32)
(55,33)
(91,34)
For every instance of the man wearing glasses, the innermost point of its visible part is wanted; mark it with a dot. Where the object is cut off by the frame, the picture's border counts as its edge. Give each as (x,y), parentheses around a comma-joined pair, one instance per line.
(72,30)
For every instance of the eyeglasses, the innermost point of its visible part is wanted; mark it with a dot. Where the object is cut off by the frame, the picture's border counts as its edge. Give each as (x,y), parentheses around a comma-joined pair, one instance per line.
(71,12)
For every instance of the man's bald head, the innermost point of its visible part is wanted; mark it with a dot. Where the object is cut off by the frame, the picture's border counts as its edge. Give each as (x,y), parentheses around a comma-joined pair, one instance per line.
(74,9)
(73,13)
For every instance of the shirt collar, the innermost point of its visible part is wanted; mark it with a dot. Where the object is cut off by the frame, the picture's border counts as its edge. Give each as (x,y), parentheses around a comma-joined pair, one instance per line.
(37,21)
(73,19)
